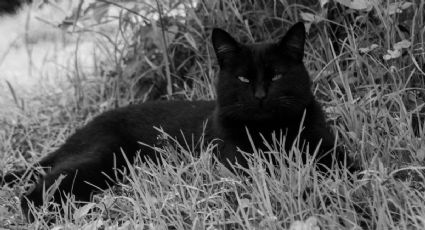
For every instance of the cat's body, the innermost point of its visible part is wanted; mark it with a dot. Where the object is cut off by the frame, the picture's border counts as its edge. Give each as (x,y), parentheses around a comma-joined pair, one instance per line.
(262,88)
(97,147)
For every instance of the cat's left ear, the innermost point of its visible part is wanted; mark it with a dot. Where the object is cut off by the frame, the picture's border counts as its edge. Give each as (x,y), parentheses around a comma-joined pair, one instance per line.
(225,46)
(293,41)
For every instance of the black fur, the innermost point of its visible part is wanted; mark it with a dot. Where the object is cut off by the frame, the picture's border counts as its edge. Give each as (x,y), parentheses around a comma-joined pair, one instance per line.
(263,105)
(274,100)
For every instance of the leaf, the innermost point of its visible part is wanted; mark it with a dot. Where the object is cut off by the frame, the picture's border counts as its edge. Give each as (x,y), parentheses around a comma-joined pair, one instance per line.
(391,54)
(83,211)
(309,17)
(323,2)
(3,212)
(406,5)
(420,153)
(100,11)
(402,44)
(394,8)
(244,203)
(171,33)
(398,7)
(358,4)
(368,49)
(191,40)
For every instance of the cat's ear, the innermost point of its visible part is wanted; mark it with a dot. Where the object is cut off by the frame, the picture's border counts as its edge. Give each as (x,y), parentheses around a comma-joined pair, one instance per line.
(225,46)
(293,41)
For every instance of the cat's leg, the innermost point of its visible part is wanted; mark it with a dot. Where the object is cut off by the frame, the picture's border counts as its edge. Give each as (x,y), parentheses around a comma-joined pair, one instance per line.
(331,155)
(230,157)
(82,176)
(326,159)
(320,136)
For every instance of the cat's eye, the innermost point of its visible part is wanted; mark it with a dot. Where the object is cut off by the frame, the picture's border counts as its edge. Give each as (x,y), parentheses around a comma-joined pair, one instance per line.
(243,79)
(277,77)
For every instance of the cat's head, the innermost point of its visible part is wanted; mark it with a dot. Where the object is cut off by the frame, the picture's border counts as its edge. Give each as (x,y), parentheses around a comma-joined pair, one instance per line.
(262,80)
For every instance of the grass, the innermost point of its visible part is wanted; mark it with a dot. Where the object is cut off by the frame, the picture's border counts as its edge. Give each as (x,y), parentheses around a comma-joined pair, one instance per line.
(375,106)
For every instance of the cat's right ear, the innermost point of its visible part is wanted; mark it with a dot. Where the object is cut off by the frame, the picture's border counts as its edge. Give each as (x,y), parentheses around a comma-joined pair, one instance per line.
(293,41)
(225,46)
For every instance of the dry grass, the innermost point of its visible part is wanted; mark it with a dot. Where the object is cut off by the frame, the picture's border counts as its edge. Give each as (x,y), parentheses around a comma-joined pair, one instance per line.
(372,103)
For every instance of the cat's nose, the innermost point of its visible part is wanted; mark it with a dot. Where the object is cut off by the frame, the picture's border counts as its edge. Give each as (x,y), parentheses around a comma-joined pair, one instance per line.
(260,93)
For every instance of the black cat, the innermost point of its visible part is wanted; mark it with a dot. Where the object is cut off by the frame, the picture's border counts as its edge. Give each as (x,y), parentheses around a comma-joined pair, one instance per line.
(264,88)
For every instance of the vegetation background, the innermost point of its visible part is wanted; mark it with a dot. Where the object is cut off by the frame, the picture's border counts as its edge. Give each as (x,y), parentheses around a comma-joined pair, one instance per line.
(64,62)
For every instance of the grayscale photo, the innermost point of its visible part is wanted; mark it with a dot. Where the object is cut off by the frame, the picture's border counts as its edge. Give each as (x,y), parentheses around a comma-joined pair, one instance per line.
(212,114)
